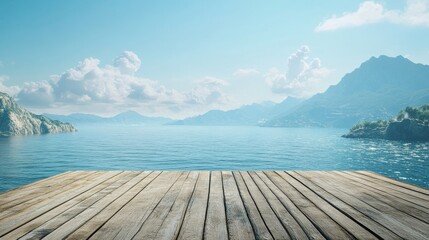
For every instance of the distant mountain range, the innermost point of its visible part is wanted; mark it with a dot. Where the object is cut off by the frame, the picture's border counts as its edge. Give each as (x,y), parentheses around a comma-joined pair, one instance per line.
(255,114)
(129,117)
(378,89)
(17,121)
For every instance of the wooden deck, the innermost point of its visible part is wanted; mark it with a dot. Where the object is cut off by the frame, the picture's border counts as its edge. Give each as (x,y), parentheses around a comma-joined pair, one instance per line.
(215,205)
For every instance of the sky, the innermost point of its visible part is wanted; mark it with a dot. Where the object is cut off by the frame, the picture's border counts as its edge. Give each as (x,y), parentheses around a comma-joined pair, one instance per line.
(182,58)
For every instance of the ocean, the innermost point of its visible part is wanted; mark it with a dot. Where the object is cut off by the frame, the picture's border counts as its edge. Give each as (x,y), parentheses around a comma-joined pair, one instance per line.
(25,159)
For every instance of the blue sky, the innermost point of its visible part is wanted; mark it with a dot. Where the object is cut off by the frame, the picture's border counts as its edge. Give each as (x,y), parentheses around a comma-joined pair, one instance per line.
(184,58)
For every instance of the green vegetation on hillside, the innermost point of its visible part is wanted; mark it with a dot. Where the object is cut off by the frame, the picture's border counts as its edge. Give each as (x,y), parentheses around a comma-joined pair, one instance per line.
(420,114)
(412,123)
(371,125)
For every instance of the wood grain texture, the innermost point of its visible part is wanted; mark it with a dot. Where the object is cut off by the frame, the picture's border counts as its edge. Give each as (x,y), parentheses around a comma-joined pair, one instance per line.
(138,209)
(94,218)
(215,205)
(392,181)
(395,190)
(195,215)
(215,225)
(400,204)
(260,228)
(239,226)
(354,198)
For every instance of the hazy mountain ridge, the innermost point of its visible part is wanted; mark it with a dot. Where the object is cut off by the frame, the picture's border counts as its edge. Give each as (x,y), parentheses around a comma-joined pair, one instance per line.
(17,121)
(129,117)
(411,124)
(250,115)
(379,88)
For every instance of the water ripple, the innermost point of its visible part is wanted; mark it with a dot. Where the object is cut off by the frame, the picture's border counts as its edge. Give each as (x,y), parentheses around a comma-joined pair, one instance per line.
(26,159)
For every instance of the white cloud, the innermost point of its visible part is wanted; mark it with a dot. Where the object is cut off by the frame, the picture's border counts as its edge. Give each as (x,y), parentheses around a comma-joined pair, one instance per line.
(244,72)
(127,63)
(303,77)
(37,94)
(370,12)
(90,84)
(11,90)
(208,91)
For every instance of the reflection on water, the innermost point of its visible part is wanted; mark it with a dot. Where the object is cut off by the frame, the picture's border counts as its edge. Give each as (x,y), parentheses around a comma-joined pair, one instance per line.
(26,159)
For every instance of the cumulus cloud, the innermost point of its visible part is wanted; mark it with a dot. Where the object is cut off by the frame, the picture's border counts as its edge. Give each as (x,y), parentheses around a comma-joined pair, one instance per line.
(303,77)
(207,91)
(127,63)
(11,90)
(244,72)
(89,84)
(370,12)
(39,94)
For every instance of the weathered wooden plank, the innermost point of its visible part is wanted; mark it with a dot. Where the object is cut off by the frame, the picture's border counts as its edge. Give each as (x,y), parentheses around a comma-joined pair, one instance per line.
(101,191)
(41,200)
(397,191)
(394,182)
(259,226)
(92,219)
(215,205)
(172,223)
(36,192)
(64,209)
(215,225)
(33,188)
(153,222)
(39,183)
(351,226)
(310,230)
(274,214)
(387,219)
(239,226)
(76,222)
(288,221)
(71,186)
(193,221)
(321,219)
(415,210)
(348,210)
(135,212)
(10,223)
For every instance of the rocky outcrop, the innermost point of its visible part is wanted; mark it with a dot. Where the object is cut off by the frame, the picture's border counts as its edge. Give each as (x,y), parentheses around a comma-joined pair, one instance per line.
(407,130)
(411,124)
(366,132)
(17,121)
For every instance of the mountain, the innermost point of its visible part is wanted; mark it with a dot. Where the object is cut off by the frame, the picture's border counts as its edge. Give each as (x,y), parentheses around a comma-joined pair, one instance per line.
(250,115)
(134,117)
(129,117)
(17,121)
(76,118)
(378,89)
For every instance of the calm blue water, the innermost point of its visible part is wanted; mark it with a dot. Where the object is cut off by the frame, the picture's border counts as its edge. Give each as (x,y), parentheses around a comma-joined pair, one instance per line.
(26,159)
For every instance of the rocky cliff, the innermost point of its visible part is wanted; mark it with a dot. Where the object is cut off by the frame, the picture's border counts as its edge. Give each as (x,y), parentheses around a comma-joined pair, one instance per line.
(412,124)
(17,121)
(407,130)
